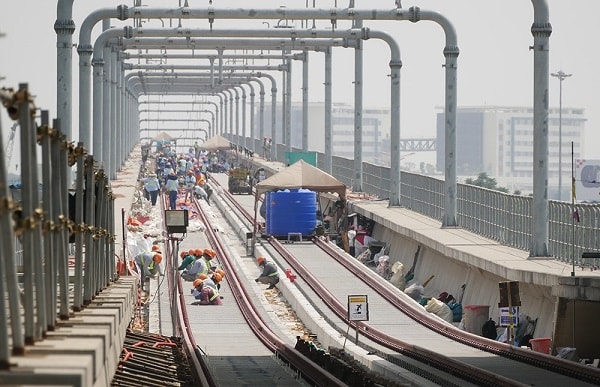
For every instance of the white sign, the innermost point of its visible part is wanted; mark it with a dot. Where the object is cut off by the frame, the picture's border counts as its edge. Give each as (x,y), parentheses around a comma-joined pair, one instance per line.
(505,318)
(358,308)
(587,180)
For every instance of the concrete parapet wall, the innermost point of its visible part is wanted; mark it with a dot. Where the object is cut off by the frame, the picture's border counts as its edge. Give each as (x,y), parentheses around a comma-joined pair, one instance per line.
(83,350)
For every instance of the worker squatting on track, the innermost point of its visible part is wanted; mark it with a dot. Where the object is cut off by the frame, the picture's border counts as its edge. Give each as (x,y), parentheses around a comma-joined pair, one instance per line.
(198,268)
(196,262)
(205,292)
(269,273)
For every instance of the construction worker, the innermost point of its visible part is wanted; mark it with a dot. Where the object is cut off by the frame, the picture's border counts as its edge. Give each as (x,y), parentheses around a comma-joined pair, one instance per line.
(207,256)
(269,273)
(187,260)
(148,264)
(151,187)
(172,186)
(214,280)
(197,267)
(205,294)
(190,183)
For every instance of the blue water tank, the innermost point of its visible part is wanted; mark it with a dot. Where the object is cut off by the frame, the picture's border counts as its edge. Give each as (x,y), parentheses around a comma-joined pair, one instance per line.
(291,211)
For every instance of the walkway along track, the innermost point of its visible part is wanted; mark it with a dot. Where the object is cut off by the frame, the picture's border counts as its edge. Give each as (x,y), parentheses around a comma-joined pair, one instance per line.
(304,367)
(540,362)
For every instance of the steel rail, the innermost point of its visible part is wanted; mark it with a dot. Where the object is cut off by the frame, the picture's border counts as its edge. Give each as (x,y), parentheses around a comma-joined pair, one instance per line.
(439,361)
(551,363)
(536,359)
(309,369)
(200,368)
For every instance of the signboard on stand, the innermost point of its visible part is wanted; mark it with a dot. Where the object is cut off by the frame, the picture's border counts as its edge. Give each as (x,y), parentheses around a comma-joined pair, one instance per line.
(505,317)
(358,308)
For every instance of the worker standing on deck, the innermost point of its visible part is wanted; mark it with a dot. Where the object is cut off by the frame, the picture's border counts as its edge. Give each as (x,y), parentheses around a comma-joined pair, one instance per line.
(172,186)
(152,186)
(269,273)
(351,238)
(190,182)
(206,295)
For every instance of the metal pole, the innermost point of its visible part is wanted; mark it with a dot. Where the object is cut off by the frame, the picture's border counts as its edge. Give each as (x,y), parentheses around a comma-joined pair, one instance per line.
(305,101)
(64,28)
(328,142)
(541,30)
(561,77)
(573,206)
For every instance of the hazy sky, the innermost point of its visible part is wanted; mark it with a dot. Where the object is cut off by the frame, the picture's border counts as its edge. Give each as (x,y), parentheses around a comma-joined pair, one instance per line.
(495,65)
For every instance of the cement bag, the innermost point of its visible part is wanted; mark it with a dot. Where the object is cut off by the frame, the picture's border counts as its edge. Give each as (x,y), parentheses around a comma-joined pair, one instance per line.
(440,309)
(383,267)
(398,275)
(415,292)
(136,244)
(365,256)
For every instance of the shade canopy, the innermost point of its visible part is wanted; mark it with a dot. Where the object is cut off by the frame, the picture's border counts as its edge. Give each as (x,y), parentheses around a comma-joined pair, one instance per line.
(215,143)
(162,136)
(302,175)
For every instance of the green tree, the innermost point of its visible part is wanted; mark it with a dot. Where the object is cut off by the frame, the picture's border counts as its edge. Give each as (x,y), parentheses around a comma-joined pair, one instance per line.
(485,181)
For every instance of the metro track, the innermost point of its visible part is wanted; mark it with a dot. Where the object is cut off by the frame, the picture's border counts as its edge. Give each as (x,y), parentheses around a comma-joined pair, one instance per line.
(302,369)
(516,366)
(482,362)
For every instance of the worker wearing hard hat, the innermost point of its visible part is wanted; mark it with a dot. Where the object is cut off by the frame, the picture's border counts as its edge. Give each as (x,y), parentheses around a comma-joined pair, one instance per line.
(269,273)
(149,265)
(207,256)
(205,294)
(197,267)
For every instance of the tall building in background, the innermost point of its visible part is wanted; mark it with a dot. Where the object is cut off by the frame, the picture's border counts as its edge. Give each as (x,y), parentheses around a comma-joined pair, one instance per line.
(375,130)
(499,141)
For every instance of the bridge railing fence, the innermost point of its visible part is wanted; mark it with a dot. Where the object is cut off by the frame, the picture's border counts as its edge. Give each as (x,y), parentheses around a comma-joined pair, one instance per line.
(502,217)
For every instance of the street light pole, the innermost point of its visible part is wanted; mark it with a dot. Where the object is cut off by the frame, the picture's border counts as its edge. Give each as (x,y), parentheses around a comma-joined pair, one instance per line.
(561,77)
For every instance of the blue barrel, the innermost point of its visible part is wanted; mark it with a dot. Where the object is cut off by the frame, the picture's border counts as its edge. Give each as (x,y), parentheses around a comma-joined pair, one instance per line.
(291,211)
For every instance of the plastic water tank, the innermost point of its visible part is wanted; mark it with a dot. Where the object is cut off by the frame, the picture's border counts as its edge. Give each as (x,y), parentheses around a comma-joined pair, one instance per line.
(291,211)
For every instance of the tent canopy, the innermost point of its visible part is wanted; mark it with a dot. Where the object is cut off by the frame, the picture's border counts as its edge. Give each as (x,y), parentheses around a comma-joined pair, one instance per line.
(162,136)
(302,175)
(215,143)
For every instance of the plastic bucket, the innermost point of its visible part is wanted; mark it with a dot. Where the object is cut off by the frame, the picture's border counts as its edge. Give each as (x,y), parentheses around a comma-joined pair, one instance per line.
(475,316)
(541,345)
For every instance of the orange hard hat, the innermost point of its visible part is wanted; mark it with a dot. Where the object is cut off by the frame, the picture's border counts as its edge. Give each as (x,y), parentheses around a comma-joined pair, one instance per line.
(183,254)
(197,282)
(210,253)
(198,252)
(202,276)
(155,248)
(220,272)
(261,260)
(217,277)
(157,258)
